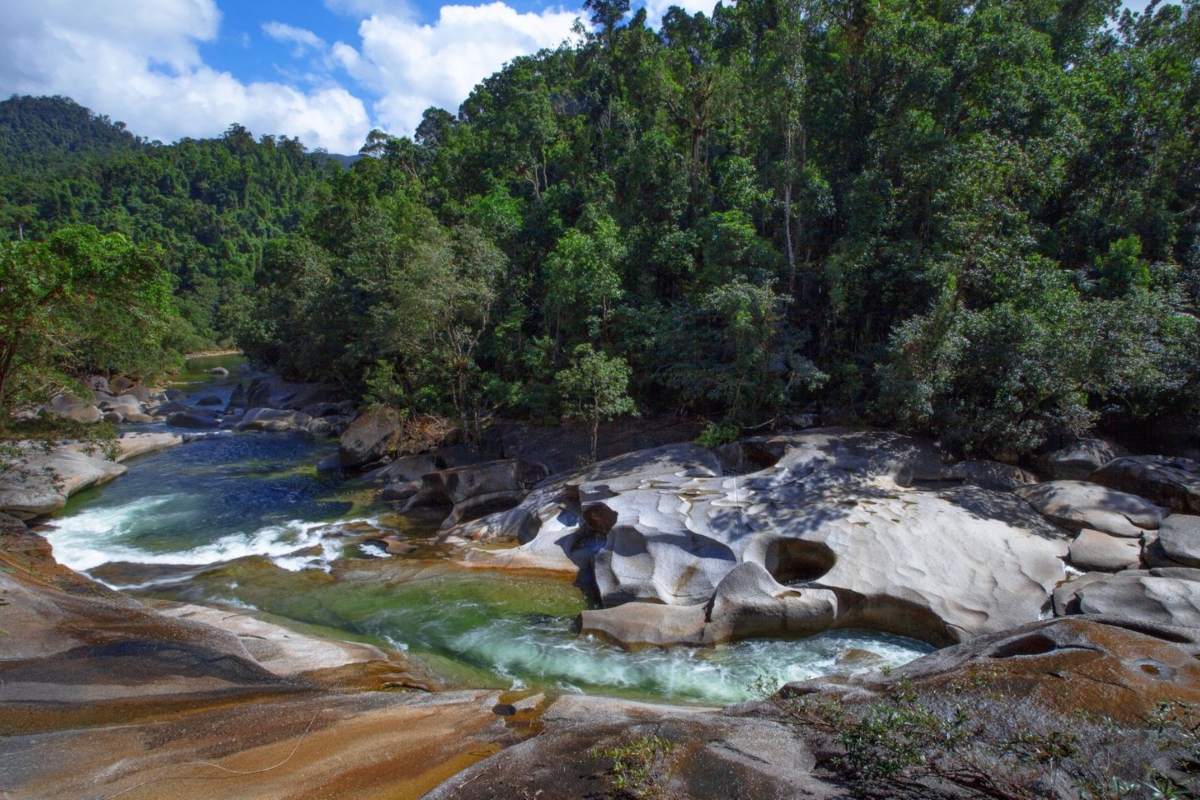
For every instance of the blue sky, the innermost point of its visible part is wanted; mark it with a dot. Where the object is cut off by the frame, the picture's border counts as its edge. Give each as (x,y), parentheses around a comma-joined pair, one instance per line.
(326,71)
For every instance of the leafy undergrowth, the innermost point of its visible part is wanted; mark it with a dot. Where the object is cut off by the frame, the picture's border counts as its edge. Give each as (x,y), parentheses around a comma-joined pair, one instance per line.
(641,768)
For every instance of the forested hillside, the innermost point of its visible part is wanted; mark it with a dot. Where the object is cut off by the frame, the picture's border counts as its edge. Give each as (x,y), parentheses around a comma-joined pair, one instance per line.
(211,204)
(975,220)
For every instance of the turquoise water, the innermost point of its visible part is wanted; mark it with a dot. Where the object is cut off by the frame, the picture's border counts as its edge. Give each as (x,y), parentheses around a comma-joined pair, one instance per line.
(246,520)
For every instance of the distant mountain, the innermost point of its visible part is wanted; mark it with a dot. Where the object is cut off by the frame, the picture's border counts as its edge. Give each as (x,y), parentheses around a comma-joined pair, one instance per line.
(49,132)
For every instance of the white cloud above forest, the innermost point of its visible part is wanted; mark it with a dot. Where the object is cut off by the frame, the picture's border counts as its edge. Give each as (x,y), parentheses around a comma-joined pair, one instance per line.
(412,66)
(139,61)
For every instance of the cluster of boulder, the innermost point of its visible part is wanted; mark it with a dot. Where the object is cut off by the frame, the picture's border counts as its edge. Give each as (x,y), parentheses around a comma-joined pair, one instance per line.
(792,535)
(264,404)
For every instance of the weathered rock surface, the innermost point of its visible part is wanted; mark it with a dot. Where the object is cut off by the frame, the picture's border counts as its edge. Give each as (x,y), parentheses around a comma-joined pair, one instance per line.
(44,481)
(825,537)
(1078,460)
(478,489)
(272,420)
(274,392)
(1076,505)
(1111,667)
(1170,482)
(84,413)
(369,438)
(1166,595)
(714,756)
(1096,550)
(139,444)
(1179,536)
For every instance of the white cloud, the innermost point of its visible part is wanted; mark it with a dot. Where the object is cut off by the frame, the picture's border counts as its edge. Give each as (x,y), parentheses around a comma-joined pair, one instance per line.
(412,67)
(368,8)
(138,61)
(304,40)
(655,9)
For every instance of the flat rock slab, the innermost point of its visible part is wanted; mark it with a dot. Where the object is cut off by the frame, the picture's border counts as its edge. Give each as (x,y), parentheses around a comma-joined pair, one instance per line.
(280,650)
(141,444)
(712,755)
(43,481)
(1096,550)
(1077,504)
(1170,596)
(1170,482)
(356,746)
(1179,536)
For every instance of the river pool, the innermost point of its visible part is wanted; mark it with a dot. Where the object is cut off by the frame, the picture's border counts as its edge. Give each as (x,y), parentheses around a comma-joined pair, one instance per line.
(246,520)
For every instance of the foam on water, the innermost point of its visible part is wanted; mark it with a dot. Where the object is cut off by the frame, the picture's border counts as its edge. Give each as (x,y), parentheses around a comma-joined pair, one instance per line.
(544,651)
(98,536)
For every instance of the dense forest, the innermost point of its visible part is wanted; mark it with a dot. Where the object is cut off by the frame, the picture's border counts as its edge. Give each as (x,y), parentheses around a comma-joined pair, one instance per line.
(975,220)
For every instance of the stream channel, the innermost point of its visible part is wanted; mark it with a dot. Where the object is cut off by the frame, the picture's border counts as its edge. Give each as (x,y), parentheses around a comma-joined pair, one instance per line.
(246,521)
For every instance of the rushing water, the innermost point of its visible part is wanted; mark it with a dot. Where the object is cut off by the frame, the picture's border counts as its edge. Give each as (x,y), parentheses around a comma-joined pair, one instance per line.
(247,520)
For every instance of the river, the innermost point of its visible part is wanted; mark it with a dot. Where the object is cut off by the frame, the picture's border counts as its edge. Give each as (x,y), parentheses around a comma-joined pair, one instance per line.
(247,521)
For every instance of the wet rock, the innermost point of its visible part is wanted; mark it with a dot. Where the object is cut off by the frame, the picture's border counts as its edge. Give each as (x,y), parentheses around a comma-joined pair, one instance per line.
(272,420)
(219,372)
(399,492)
(238,398)
(405,470)
(1179,536)
(319,428)
(1170,482)
(1096,550)
(1077,505)
(113,417)
(191,420)
(647,624)
(209,400)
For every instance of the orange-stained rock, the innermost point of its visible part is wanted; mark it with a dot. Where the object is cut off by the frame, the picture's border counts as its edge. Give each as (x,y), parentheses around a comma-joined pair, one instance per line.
(1075,665)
